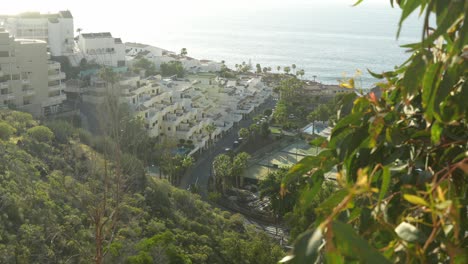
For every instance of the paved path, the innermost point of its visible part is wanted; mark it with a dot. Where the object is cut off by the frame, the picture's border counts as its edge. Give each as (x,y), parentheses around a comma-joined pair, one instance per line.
(200,173)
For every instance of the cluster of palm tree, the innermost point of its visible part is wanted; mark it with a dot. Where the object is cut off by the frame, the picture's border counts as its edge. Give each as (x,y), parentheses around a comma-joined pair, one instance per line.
(228,171)
(293,68)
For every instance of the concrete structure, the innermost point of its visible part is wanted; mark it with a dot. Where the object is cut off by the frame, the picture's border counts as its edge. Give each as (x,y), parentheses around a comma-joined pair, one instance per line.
(159,56)
(100,48)
(55,29)
(28,80)
(178,110)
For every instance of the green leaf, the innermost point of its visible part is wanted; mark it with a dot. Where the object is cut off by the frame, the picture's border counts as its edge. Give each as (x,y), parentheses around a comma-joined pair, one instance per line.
(415,199)
(318,142)
(408,232)
(408,7)
(386,176)
(375,129)
(333,258)
(413,75)
(302,167)
(353,246)
(306,247)
(446,20)
(436,132)
(358,2)
(316,181)
(332,201)
(430,87)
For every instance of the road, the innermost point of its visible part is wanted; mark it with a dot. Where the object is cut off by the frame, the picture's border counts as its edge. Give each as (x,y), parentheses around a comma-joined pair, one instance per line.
(200,173)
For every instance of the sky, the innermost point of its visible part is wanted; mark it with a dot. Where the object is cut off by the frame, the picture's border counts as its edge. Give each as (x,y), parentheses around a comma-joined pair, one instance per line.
(99,15)
(180,6)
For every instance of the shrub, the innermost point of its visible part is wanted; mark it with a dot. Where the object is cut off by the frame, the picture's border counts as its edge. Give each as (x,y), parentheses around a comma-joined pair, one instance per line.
(41,133)
(6,130)
(62,130)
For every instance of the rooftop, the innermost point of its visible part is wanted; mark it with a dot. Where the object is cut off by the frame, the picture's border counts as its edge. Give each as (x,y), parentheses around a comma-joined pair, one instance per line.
(97,35)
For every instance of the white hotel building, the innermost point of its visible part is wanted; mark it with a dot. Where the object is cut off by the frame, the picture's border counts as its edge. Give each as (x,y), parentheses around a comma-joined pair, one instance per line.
(28,80)
(55,29)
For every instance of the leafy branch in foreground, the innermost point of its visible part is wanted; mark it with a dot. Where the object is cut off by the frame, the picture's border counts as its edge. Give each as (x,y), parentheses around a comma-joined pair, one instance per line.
(401,158)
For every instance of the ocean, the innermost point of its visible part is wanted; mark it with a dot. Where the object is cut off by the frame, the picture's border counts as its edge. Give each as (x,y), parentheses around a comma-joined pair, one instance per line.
(328,43)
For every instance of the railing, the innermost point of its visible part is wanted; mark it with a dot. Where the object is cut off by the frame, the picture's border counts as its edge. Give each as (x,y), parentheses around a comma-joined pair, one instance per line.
(55,100)
(55,77)
(56,87)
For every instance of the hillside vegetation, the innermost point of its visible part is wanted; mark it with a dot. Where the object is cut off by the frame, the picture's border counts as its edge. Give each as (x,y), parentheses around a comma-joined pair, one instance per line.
(63,201)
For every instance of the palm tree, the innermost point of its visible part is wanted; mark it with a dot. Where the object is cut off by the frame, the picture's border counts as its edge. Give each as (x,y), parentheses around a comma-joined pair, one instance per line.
(293,67)
(278,68)
(239,165)
(222,170)
(287,69)
(210,129)
(183,52)
(315,76)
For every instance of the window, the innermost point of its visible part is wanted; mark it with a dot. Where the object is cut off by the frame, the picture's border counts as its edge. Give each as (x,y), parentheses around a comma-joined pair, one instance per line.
(26,100)
(4,54)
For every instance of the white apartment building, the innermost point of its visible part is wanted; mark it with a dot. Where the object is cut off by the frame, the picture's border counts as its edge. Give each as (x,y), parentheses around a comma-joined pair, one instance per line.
(100,48)
(133,49)
(28,80)
(55,29)
(181,110)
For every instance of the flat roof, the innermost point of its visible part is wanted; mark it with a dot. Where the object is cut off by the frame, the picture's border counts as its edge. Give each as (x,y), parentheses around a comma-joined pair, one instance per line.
(97,35)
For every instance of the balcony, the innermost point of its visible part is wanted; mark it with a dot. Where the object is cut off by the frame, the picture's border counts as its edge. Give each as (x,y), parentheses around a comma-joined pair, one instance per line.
(55,100)
(57,87)
(29,91)
(54,65)
(25,81)
(56,77)
(4,85)
(6,97)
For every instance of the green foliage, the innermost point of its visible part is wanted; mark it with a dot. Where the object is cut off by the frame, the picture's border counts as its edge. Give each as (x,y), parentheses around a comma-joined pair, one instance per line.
(172,68)
(244,133)
(62,130)
(401,159)
(267,112)
(144,64)
(239,165)
(41,133)
(6,131)
(55,197)
(222,170)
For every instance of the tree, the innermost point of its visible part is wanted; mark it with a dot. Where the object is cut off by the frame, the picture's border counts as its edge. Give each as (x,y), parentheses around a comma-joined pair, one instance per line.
(401,158)
(286,69)
(293,68)
(265,129)
(222,171)
(210,129)
(109,76)
(41,133)
(259,68)
(144,64)
(300,73)
(281,113)
(271,187)
(172,68)
(278,68)
(239,165)
(6,131)
(244,133)
(183,52)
